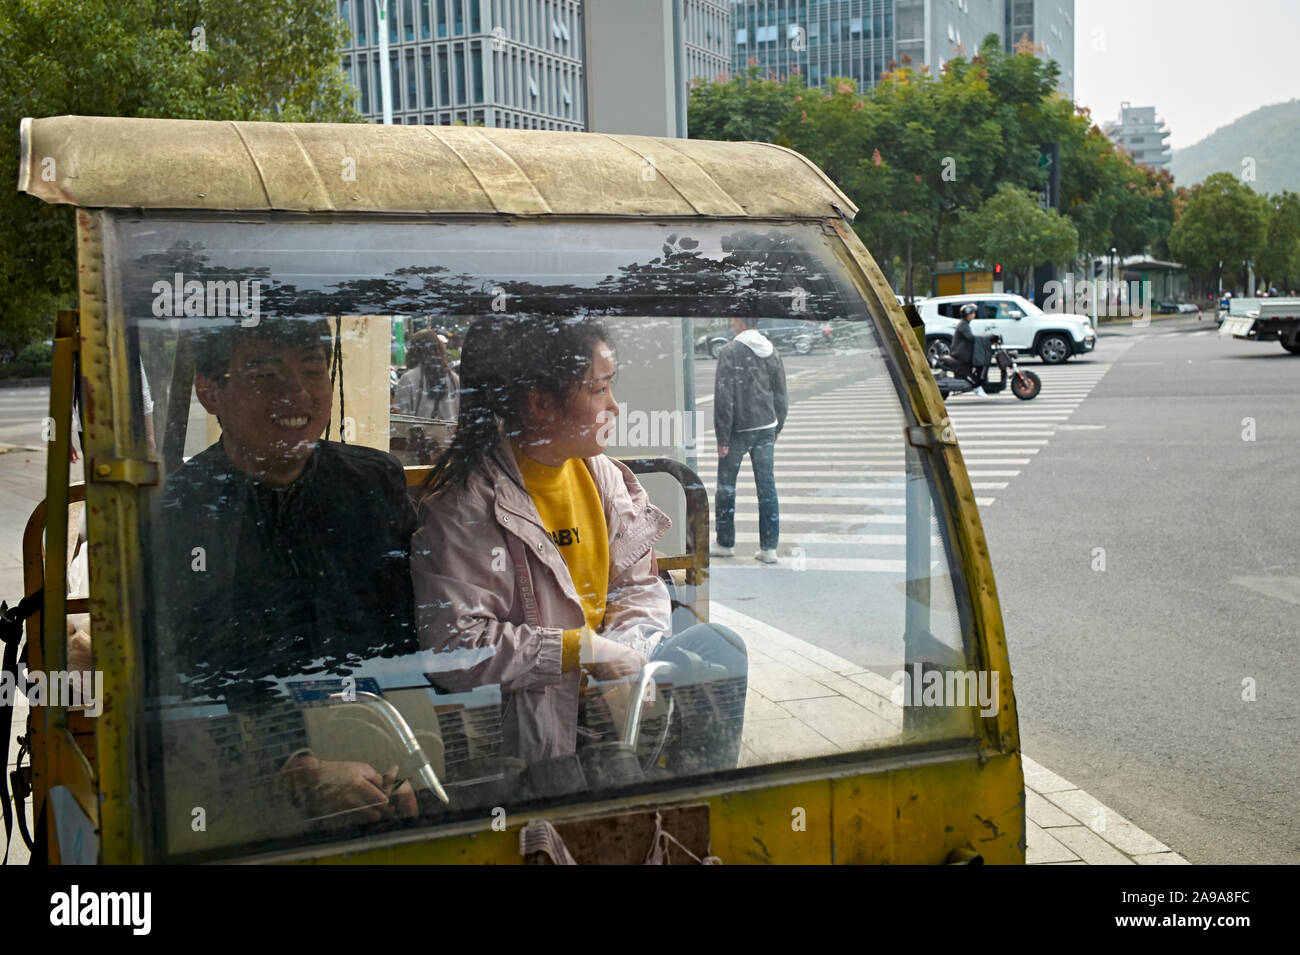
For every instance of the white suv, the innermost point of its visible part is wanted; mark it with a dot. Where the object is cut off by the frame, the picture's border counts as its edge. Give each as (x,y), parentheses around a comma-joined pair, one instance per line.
(1023,326)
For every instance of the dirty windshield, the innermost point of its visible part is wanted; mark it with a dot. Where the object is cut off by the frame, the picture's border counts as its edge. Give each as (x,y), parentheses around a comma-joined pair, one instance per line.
(461,519)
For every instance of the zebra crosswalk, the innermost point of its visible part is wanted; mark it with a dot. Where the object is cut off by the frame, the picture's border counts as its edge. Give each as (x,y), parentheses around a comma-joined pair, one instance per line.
(841,467)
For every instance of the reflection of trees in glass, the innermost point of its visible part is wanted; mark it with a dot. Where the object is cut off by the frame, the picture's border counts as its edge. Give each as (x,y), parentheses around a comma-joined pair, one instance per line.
(769,274)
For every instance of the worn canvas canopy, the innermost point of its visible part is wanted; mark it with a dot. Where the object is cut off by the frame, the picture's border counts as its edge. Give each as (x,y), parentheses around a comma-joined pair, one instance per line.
(99,161)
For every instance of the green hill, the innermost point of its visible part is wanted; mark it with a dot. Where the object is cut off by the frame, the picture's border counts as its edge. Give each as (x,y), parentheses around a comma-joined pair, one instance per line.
(1270,135)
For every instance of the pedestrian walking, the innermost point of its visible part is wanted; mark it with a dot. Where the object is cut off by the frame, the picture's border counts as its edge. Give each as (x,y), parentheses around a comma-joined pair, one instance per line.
(749,409)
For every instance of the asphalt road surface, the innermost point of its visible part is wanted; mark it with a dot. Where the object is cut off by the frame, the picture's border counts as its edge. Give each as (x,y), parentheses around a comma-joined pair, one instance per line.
(1145,559)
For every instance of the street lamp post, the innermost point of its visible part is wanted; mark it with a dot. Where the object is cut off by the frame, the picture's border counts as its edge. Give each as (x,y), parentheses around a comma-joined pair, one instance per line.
(1111,283)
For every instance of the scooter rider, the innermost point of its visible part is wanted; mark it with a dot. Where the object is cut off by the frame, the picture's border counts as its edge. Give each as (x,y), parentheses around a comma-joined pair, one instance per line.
(963,350)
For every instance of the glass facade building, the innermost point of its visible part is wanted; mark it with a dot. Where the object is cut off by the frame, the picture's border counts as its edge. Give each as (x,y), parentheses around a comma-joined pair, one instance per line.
(512,63)
(859,38)
(818,38)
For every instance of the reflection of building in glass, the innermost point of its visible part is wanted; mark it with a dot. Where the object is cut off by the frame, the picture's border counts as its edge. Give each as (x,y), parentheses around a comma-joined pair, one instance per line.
(1141,134)
(515,63)
(858,38)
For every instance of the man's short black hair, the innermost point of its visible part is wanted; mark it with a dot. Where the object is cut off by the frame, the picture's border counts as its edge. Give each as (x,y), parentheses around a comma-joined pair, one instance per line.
(213,348)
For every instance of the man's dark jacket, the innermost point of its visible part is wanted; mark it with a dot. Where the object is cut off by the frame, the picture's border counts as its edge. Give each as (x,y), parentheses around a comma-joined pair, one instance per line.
(749,391)
(317,571)
(963,345)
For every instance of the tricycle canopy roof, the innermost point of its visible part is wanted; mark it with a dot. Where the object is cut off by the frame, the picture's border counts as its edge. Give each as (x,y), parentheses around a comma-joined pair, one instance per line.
(111,162)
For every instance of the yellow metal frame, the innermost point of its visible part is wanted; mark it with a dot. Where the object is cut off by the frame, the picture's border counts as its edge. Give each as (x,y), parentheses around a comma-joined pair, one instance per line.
(918,803)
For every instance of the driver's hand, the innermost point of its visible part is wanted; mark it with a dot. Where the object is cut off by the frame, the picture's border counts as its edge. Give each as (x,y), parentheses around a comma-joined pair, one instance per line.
(337,787)
(402,799)
(612,660)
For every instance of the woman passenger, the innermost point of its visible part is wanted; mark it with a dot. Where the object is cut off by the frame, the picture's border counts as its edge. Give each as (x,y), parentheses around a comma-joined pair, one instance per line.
(535,550)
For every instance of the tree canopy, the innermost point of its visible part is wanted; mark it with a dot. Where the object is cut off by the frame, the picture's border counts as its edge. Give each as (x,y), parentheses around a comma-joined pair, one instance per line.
(919,152)
(181,59)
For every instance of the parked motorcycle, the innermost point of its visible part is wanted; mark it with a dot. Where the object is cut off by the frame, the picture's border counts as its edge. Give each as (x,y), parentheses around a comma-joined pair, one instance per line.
(1025,385)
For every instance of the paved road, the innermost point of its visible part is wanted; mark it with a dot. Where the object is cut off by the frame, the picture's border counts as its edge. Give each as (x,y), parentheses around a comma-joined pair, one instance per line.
(1129,679)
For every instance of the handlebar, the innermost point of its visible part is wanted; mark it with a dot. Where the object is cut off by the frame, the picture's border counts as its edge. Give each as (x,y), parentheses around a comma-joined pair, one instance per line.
(633,727)
(390,715)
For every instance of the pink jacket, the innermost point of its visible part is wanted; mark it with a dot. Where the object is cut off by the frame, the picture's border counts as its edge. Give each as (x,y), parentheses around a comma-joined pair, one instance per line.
(489,580)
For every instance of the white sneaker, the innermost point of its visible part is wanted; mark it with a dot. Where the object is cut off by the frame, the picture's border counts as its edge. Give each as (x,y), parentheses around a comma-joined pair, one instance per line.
(766,556)
(979,393)
(717,550)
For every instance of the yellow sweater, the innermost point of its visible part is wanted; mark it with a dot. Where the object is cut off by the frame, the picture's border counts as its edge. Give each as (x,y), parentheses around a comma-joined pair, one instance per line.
(572,512)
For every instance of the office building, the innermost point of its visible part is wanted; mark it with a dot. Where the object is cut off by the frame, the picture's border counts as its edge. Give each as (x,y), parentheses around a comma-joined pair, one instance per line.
(1049,25)
(706,38)
(512,63)
(817,38)
(859,38)
(1141,134)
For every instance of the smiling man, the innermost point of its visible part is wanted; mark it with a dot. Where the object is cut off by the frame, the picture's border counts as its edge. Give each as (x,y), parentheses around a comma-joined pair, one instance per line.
(284,556)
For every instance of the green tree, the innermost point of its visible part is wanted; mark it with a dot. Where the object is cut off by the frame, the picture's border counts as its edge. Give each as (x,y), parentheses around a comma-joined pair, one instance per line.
(187,59)
(748,107)
(1012,229)
(1223,223)
(1279,260)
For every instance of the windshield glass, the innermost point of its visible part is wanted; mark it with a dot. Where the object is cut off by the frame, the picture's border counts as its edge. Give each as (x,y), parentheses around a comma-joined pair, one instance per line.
(336,646)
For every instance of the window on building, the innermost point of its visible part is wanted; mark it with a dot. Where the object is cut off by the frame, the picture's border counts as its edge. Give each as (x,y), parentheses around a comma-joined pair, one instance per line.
(458,75)
(476,71)
(408,20)
(426,76)
(395,81)
(442,16)
(444,79)
(458,17)
(363,85)
(424,19)
(392,21)
(477,117)
(855,25)
(363,19)
(412,98)
(345,14)
(475,16)
(742,37)
(532,86)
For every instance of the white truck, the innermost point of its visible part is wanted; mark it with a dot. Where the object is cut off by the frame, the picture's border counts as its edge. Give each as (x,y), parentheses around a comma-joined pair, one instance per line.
(1274,320)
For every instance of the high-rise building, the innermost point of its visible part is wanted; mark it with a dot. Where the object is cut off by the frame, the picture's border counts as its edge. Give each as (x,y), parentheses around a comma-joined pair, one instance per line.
(1141,134)
(1048,24)
(818,38)
(515,63)
(706,36)
(859,38)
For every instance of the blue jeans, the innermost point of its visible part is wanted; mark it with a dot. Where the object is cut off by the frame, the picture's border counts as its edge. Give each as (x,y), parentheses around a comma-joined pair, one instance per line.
(761,447)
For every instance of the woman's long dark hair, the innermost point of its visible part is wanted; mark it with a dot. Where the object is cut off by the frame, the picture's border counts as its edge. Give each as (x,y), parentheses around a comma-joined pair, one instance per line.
(503,358)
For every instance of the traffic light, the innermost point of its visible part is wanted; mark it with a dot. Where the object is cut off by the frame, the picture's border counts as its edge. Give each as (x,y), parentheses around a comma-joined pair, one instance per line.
(997,272)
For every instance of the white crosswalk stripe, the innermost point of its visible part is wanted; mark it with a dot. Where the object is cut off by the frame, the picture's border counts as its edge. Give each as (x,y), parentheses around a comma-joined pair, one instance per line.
(841,466)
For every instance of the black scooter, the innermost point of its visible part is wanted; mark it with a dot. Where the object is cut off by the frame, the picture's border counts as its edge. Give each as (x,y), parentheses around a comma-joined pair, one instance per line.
(1025,385)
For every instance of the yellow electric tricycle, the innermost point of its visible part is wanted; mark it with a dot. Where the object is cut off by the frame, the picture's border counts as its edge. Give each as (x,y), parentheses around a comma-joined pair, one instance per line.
(879,723)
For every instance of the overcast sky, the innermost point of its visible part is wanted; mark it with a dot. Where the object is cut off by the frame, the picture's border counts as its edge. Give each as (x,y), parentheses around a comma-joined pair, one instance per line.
(1200,63)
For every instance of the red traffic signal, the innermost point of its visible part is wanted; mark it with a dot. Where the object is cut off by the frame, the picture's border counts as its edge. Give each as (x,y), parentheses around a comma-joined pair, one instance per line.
(997,271)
